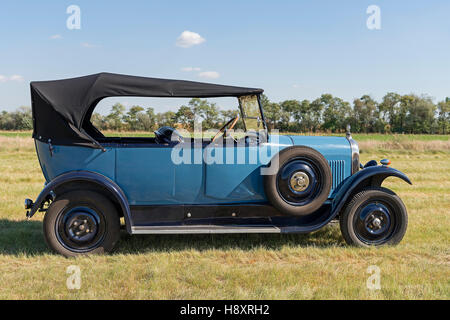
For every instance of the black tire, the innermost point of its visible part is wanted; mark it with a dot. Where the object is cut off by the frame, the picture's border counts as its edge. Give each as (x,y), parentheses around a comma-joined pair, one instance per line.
(357,220)
(312,168)
(90,215)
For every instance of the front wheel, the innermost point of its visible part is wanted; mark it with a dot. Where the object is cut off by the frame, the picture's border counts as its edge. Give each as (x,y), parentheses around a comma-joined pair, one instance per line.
(81,222)
(375,216)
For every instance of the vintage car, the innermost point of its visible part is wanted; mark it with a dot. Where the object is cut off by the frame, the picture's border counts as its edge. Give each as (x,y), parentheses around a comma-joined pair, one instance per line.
(268,183)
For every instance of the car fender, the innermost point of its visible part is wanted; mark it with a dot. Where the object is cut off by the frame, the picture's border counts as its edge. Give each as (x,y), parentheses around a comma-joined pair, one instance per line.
(369,176)
(84,176)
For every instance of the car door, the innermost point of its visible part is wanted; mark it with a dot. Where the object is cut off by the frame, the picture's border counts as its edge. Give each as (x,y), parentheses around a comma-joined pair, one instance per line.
(233,172)
(149,175)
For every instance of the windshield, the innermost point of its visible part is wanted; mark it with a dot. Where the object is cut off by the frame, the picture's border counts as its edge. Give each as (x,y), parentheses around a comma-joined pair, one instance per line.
(251,113)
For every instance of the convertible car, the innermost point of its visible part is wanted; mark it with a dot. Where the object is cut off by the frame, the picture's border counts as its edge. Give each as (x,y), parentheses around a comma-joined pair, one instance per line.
(255,182)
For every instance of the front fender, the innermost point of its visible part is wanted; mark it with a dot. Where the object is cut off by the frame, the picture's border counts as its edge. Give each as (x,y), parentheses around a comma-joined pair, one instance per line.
(370,176)
(84,176)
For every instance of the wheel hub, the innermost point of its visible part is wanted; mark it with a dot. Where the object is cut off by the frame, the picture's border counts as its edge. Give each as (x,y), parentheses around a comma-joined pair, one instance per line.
(373,223)
(81,226)
(299,181)
(376,223)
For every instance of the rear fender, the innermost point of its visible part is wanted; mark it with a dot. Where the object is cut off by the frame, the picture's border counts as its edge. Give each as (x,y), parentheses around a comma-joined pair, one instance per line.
(110,187)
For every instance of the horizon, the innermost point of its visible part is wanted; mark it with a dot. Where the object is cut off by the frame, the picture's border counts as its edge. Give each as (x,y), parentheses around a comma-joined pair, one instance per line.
(293,50)
(104,107)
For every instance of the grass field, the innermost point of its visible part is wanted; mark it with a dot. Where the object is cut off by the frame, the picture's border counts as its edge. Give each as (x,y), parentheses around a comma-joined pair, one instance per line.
(314,266)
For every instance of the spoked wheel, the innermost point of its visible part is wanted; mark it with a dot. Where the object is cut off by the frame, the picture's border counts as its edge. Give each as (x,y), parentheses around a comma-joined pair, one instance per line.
(302,183)
(375,216)
(81,222)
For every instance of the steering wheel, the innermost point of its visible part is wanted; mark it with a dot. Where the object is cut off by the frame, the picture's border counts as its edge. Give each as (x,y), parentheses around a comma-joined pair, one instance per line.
(224,129)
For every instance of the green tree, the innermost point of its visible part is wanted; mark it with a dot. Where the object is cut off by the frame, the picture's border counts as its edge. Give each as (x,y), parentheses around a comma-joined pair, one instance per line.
(264,101)
(185,117)
(305,116)
(395,113)
(166,119)
(290,109)
(151,118)
(336,113)
(99,121)
(133,118)
(364,114)
(6,121)
(420,113)
(406,101)
(271,112)
(443,109)
(316,109)
(206,111)
(24,118)
(272,115)
(21,119)
(115,117)
(388,110)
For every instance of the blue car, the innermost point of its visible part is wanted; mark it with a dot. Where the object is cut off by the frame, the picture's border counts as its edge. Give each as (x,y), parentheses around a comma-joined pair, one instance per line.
(251,182)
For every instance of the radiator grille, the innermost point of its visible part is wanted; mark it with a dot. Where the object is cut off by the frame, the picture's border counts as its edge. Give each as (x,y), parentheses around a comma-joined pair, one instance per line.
(337,170)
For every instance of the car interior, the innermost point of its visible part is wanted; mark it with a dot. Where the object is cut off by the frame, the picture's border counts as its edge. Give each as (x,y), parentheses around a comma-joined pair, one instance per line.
(169,136)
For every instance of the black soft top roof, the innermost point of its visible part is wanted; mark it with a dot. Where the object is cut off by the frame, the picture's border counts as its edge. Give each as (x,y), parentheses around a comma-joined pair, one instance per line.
(62,108)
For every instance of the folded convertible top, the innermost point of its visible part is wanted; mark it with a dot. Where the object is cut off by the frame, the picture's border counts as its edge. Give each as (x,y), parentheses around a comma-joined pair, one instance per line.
(62,108)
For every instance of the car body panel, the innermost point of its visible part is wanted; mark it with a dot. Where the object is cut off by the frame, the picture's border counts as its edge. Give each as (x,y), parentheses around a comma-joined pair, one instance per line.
(148,175)
(64,159)
(236,175)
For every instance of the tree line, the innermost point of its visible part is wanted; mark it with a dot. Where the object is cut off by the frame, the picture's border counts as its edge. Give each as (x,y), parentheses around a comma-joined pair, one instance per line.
(395,113)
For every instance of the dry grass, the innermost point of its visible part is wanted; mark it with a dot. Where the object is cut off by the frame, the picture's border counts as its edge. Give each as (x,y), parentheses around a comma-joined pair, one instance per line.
(315,266)
(15,144)
(406,146)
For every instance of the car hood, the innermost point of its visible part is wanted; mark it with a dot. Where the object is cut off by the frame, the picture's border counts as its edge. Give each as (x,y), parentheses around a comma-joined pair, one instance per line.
(326,145)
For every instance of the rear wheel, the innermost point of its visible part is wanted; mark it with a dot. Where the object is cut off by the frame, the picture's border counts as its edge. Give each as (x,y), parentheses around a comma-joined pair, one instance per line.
(81,222)
(375,216)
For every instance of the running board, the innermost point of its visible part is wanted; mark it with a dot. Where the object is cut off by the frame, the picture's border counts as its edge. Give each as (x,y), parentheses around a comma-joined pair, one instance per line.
(202,229)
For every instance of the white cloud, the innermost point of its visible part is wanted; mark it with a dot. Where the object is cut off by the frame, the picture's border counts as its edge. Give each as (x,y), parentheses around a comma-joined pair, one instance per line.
(188,39)
(56,37)
(190,69)
(14,77)
(209,75)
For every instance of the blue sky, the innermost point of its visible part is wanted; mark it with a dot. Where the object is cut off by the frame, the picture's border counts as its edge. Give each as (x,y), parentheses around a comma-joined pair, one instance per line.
(292,49)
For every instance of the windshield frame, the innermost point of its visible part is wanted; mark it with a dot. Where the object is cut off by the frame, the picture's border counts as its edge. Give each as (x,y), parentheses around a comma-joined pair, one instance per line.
(261,112)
